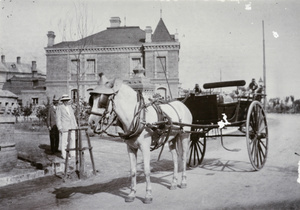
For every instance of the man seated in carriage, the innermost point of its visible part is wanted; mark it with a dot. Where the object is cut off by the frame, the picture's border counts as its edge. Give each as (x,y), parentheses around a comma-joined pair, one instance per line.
(197,90)
(253,86)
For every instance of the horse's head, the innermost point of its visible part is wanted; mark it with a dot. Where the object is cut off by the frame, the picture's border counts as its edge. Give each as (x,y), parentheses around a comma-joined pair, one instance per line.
(100,102)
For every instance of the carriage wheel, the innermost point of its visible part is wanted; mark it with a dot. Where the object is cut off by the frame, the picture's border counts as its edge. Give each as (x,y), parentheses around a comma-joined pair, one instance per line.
(257,135)
(197,147)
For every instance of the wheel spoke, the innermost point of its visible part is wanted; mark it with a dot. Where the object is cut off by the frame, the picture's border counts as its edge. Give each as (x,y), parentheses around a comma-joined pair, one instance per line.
(198,146)
(261,129)
(261,151)
(194,154)
(252,147)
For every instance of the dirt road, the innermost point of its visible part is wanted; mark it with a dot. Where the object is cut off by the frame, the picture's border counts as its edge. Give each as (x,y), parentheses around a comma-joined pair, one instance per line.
(225,180)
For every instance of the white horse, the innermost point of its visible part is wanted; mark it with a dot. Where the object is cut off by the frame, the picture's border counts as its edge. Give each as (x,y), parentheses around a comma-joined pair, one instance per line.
(141,126)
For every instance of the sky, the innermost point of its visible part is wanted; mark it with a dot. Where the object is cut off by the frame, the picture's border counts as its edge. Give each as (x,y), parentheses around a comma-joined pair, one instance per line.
(219,39)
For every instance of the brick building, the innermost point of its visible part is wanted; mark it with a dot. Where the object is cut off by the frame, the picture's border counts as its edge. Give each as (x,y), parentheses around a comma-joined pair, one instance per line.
(24,80)
(115,51)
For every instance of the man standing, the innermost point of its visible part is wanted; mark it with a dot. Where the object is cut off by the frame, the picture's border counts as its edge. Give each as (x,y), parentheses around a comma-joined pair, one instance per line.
(65,120)
(51,122)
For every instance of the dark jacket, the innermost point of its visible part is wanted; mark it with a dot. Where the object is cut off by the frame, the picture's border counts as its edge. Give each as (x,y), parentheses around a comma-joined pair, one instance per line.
(51,118)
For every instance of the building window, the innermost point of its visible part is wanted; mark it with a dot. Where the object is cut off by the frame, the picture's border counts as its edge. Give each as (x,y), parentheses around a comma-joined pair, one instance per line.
(74,64)
(161,68)
(134,63)
(74,94)
(35,83)
(91,67)
(35,101)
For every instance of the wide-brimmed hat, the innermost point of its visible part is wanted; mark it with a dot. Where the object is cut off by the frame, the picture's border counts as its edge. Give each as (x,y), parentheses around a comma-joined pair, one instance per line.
(106,86)
(65,97)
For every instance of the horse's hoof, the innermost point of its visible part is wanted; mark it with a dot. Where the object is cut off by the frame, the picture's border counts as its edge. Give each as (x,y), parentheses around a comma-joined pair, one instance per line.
(148,200)
(129,199)
(183,186)
(173,187)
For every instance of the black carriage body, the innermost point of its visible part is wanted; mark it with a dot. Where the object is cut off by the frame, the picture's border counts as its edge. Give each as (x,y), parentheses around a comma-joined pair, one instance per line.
(203,108)
(208,110)
(244,112)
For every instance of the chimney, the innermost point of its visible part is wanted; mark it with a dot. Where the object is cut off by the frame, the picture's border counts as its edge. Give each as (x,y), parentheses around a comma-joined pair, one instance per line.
(18,60)
(148,31)
(115,22)
(51,37)
(2,58)
(33,69)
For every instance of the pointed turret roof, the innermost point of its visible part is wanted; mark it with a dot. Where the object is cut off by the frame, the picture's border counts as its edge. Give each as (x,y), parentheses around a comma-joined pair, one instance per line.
(161,33)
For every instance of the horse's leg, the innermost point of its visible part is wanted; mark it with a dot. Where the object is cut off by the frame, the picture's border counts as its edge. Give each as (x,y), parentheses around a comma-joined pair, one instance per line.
(145,148)
(172,147)
(132,157)
(184,140)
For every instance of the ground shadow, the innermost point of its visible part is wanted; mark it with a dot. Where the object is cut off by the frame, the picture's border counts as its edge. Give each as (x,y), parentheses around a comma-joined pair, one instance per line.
(118,186)
(115,187)
(46,148)
(48,152)
(216,164)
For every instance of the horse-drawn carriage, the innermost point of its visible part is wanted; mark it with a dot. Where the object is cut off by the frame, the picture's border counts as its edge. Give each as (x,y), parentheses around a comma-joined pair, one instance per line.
(211,115)
(179,124)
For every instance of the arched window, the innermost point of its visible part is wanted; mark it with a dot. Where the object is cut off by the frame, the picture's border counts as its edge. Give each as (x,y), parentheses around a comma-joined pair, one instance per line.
(162,91)
(74,94)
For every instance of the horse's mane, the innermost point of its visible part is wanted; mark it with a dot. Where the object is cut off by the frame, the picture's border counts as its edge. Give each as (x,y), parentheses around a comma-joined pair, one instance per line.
(127,88)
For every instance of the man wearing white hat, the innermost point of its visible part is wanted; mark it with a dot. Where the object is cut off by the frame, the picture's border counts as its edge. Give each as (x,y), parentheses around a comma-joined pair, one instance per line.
(65,120)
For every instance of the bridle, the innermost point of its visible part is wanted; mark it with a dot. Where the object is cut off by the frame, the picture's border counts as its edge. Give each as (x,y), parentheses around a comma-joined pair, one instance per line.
(103,102)
(137,125)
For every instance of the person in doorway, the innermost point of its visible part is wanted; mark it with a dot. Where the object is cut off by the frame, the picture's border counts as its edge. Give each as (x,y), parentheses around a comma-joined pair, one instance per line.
(51,122)
(65,120)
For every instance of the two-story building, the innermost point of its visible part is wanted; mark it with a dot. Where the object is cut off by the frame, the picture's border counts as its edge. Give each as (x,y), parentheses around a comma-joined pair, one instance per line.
(115,51)
(24,80)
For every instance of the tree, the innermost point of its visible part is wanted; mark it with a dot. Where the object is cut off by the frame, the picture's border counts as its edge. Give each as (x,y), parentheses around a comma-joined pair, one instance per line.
(17,113)
(293,103)
(79,27)
(42,111)
(27,111)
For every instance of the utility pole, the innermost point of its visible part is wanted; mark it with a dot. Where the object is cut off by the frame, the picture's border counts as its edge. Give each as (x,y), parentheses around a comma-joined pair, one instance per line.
(264,65)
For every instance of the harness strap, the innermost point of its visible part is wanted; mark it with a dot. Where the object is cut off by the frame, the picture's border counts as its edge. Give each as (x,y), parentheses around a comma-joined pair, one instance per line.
(138,123)
(136,126)
(161,125)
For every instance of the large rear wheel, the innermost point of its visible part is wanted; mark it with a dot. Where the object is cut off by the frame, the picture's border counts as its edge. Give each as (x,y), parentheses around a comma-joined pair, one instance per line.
(197,148)
(257,135)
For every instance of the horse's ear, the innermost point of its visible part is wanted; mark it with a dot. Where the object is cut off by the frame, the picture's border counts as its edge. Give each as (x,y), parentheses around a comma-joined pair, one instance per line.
(102,79)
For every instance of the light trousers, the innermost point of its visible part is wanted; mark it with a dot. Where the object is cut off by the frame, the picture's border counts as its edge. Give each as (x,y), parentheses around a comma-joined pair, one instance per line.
(64,143)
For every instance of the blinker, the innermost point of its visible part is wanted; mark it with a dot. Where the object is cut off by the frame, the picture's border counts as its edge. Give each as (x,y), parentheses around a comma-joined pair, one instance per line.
(102,100)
